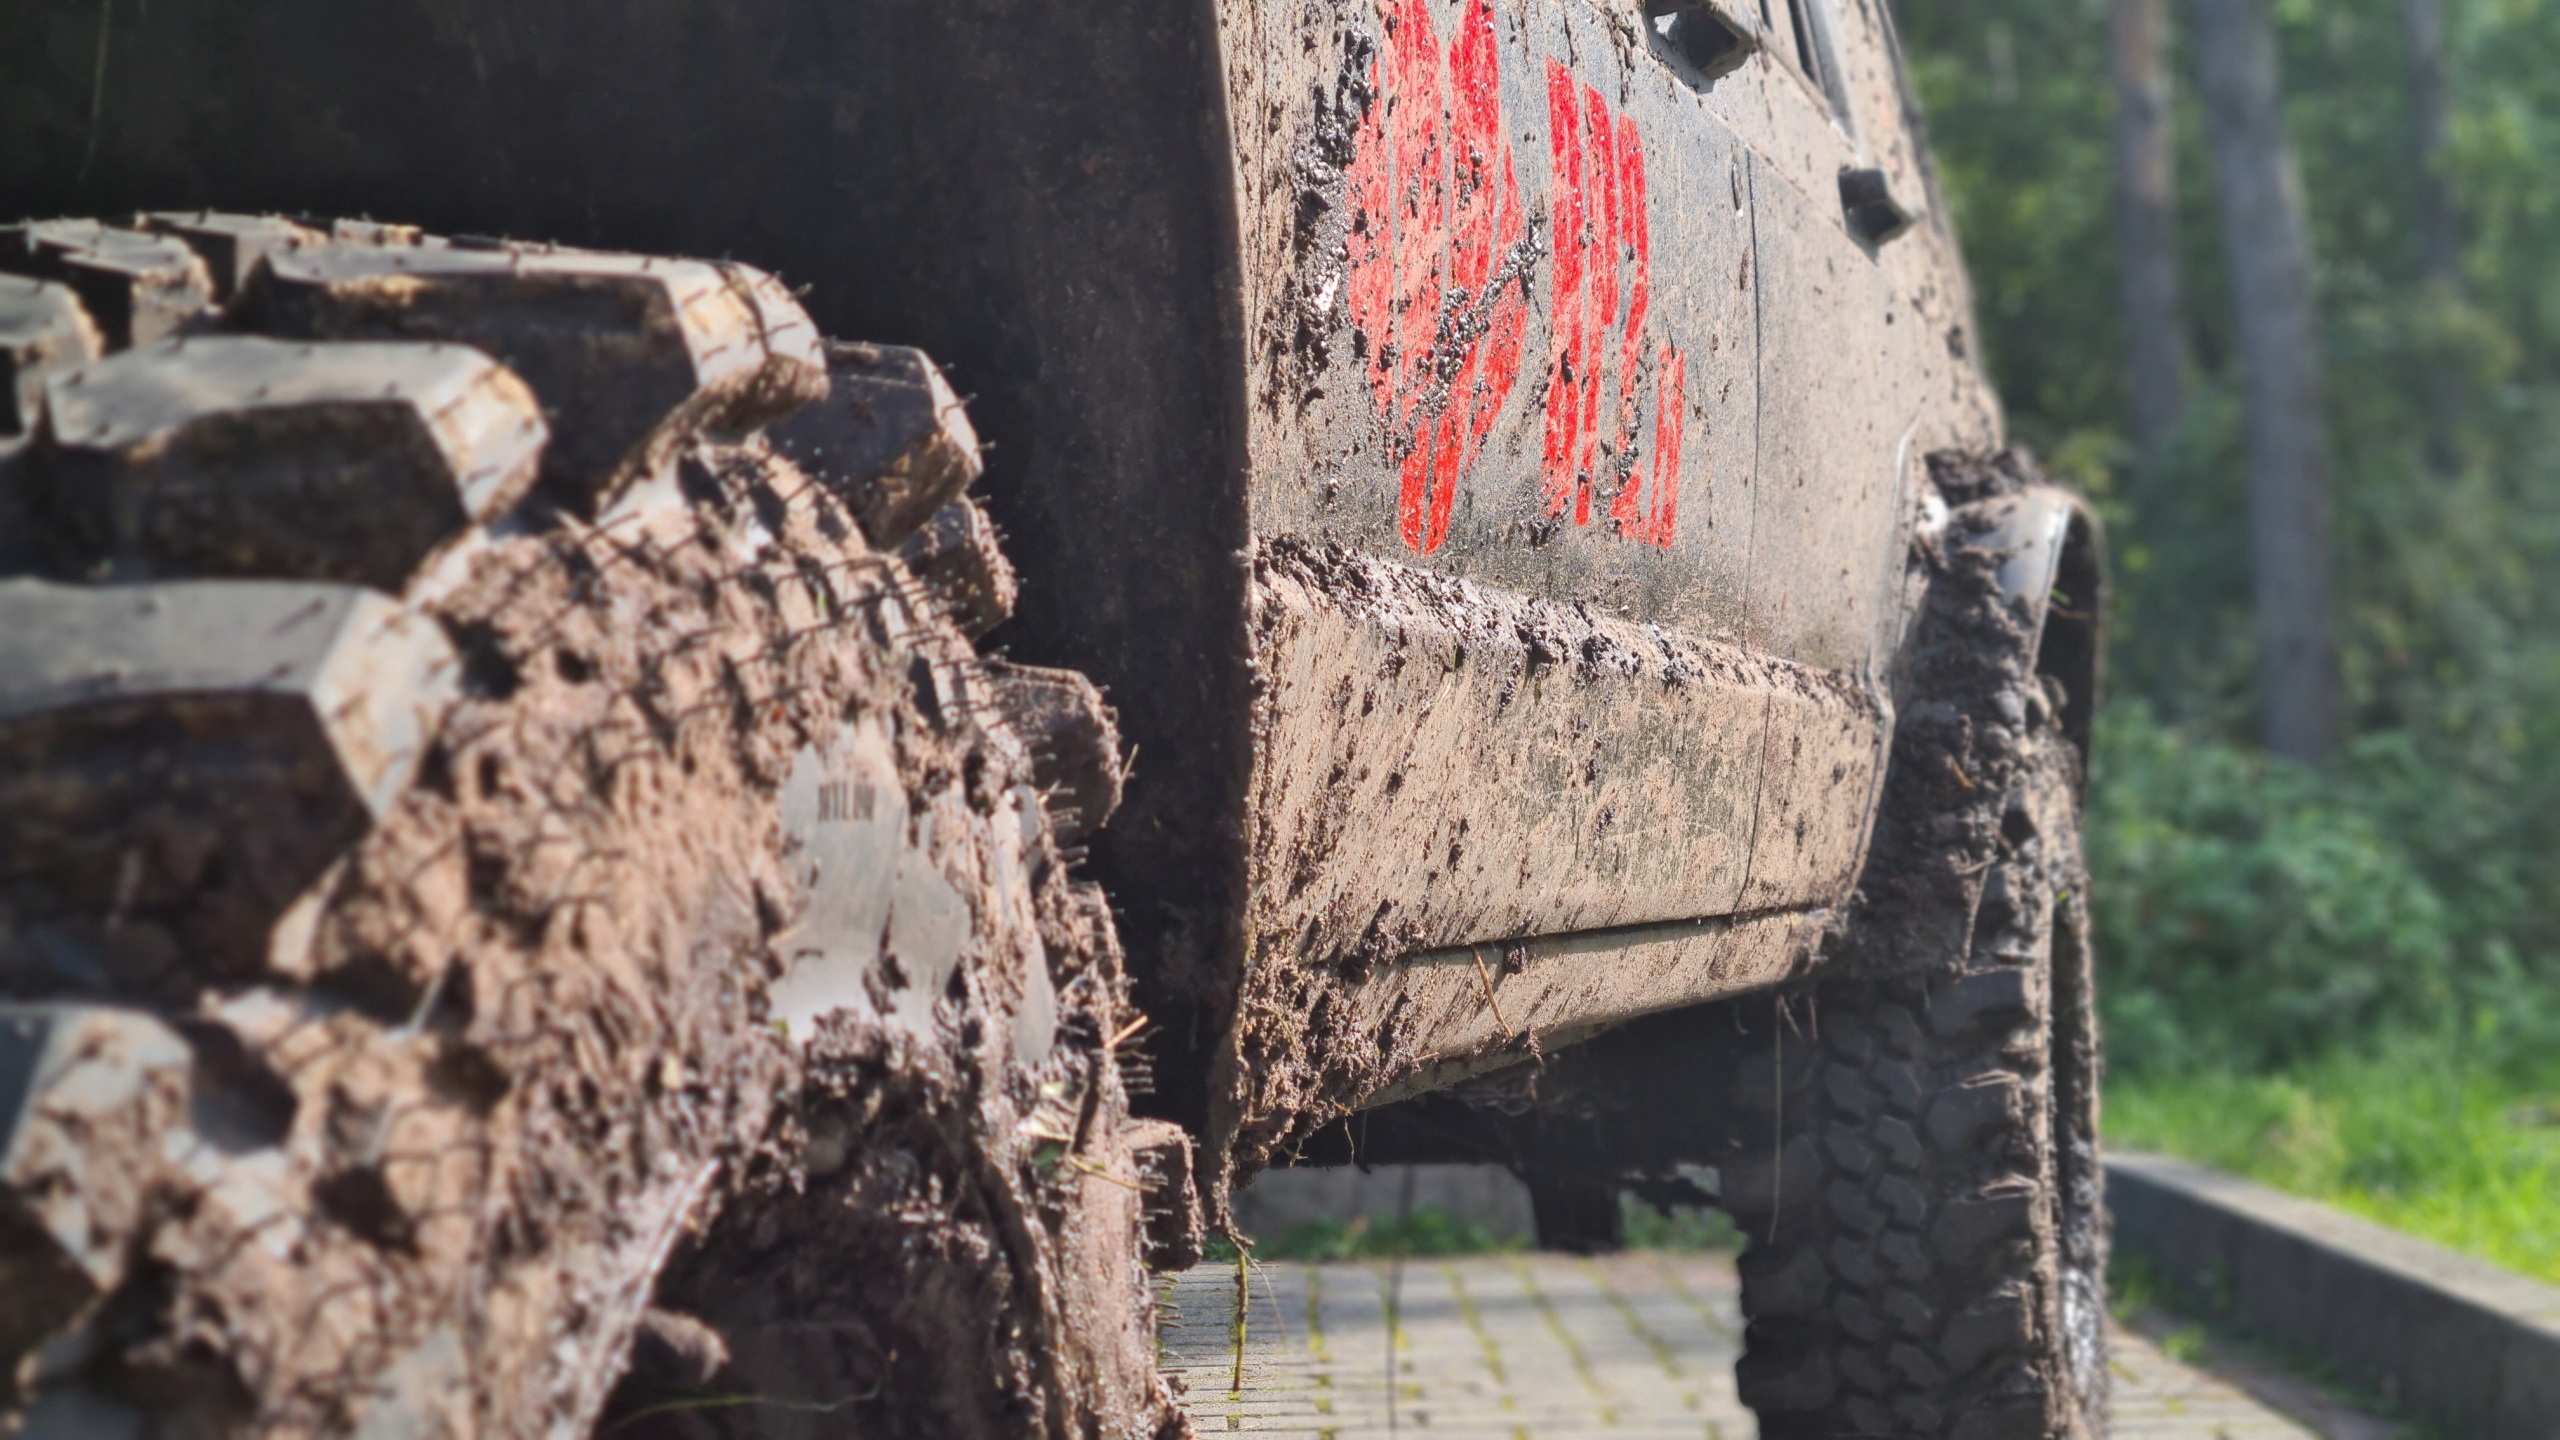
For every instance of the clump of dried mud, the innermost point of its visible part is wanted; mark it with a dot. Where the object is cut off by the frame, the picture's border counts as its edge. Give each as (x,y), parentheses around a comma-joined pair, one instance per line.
(526,1093)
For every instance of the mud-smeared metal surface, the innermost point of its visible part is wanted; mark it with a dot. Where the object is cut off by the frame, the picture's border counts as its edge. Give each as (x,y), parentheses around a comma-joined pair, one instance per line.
(1969,688)
(1702,408)
(525,1043)
(1444,764)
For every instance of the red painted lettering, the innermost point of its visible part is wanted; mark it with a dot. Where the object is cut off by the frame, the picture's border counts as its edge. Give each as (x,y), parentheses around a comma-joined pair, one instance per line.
(1663,512)
(1603,235)
(1564,411)
(1437,281)
(1437,271)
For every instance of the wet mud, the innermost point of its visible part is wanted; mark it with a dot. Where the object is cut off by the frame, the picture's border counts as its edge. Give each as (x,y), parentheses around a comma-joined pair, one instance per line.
(513,1099)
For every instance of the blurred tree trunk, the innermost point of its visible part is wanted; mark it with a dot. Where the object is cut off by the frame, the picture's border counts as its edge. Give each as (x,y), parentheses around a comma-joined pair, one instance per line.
(2147,223)
(2439,217)
(2268,255)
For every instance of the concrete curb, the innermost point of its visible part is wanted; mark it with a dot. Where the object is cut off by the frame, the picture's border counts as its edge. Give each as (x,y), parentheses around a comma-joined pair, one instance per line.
(2456,1341)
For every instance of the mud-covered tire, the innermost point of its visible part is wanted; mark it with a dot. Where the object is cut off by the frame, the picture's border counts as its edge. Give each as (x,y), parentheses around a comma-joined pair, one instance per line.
(486,839)
(1926,1244)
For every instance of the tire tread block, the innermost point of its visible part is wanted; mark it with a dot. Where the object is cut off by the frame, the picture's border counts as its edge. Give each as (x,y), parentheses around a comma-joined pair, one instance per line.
(137,288)
(892,439)
(1073,737)
(630,354)
(74,1080)
(230,455)
(1167,1175)
(42,328)
(959,558)
(197,753)
(231,246)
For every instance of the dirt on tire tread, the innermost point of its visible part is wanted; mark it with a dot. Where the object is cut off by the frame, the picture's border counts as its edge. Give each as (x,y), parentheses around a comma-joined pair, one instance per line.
(500,1089)
(1926,1243)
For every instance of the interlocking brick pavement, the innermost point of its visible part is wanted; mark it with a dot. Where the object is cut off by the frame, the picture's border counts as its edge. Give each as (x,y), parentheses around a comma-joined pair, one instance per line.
(1512,1346)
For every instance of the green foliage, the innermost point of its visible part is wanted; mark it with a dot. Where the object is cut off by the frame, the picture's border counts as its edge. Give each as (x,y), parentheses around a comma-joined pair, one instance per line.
(1426,1231)
(2346,982)
(2256,916)
(1431,1232)
(1681,1230)
(2254,913)
(2434,569)
(2419,1136)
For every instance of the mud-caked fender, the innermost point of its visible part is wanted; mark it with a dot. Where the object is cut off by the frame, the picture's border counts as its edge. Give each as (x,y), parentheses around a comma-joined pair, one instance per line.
(2071,645)
(2006,640)
(2047,547)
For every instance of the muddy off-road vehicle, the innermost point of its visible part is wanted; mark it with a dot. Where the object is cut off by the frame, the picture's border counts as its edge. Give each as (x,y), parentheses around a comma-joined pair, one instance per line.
(554,879)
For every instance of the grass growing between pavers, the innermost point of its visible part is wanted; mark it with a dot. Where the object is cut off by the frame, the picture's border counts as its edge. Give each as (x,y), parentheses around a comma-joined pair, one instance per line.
(2413,1137)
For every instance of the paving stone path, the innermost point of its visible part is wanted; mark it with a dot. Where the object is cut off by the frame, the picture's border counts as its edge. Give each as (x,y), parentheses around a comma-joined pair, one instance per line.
(1510,1346)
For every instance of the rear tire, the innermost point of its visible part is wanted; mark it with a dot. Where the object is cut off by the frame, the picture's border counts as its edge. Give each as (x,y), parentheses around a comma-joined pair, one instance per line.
(1927,1246)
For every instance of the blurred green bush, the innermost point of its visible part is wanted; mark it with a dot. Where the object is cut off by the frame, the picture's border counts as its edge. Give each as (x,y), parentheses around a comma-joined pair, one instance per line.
(2255,916)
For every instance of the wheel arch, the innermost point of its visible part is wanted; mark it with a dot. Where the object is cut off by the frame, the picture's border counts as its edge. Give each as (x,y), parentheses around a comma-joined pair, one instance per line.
(2054,563)
(2072,648)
